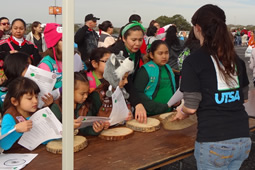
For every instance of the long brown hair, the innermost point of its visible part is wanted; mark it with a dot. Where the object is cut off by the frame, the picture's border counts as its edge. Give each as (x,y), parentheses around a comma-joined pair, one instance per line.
(34,25)
(217,41)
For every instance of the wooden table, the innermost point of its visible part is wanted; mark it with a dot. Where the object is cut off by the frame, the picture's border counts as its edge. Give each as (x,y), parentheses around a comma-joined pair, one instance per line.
(140,151)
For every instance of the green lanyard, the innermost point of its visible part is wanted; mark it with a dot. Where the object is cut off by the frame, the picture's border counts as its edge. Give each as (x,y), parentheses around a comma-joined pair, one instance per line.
(131,55)
(98,82)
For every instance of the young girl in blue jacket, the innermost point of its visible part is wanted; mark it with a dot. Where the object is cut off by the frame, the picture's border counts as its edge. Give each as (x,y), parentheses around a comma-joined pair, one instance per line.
(20,103)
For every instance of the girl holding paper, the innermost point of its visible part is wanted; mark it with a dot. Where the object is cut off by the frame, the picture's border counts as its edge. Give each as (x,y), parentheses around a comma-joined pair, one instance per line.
(155,80)
(117,70)
(15,65)
(20,103)
(81,106)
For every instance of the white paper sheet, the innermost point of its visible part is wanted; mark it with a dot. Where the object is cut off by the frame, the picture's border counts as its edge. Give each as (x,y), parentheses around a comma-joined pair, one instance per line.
(77,63)
(119,107)
(44,79)
(89,120)
(15,161)
(178,95)
(45,127)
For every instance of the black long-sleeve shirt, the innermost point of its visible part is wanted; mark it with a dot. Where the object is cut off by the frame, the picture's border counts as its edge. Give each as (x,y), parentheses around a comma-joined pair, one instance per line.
(87,40)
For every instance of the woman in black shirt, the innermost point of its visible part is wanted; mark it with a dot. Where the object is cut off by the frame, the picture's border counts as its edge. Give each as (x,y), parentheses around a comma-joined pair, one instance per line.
(215,86)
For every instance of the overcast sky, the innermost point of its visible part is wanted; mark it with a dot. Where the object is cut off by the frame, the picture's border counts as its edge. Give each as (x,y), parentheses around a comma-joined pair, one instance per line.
(118,11)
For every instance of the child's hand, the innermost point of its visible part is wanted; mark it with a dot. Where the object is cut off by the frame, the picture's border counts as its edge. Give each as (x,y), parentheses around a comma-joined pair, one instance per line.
(98,126)
(106,125)
(47,99)
(140,113)
(77,123)
(130,116)
(24,126)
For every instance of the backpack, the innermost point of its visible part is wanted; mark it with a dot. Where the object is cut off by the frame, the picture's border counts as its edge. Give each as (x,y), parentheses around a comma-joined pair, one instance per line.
(184,54)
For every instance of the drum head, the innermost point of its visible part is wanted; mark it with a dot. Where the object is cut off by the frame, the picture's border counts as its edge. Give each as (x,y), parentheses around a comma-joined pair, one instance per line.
(152,125)
(178,124)
(117,133)
(55,146)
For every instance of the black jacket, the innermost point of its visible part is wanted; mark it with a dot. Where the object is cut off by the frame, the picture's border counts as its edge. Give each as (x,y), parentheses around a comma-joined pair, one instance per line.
(116,48)
(26,47)
(87,40)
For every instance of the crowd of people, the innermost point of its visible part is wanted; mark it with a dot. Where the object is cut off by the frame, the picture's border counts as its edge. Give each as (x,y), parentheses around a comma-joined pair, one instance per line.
(241,37)
(149,66)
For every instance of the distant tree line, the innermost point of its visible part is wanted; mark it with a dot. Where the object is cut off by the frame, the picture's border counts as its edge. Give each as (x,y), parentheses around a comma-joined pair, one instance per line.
(181,23)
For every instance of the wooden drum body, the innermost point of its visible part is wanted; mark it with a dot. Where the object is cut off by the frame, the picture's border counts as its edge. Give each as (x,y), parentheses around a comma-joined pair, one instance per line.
(116,133)
(55,146)
(152,125)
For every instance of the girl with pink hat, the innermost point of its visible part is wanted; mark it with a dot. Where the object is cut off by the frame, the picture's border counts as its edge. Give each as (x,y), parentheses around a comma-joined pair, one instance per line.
(52,60)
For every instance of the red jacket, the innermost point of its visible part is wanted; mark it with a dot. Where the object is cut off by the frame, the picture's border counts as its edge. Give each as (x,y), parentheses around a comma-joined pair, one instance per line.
(143,47)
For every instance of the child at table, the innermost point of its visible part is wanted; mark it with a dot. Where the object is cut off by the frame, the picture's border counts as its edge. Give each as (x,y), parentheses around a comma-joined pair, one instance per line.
(117,69)
(15,65)
(81,106)
(20,103)
(96,65)
(155,81)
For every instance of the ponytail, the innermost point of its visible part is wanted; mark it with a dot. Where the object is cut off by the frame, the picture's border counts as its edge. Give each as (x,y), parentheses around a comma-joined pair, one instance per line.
(217,39)
(223,51)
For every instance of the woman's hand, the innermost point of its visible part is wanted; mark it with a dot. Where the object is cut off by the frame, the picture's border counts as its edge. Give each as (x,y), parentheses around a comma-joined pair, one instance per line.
(24,126)
(140,113)
(180,114)
(47,99)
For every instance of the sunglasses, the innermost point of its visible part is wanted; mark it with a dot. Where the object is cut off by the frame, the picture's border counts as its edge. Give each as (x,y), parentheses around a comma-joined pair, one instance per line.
(5,23)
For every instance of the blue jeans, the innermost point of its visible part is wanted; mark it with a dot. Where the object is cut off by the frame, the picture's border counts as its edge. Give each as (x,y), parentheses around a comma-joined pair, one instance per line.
(222,155)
